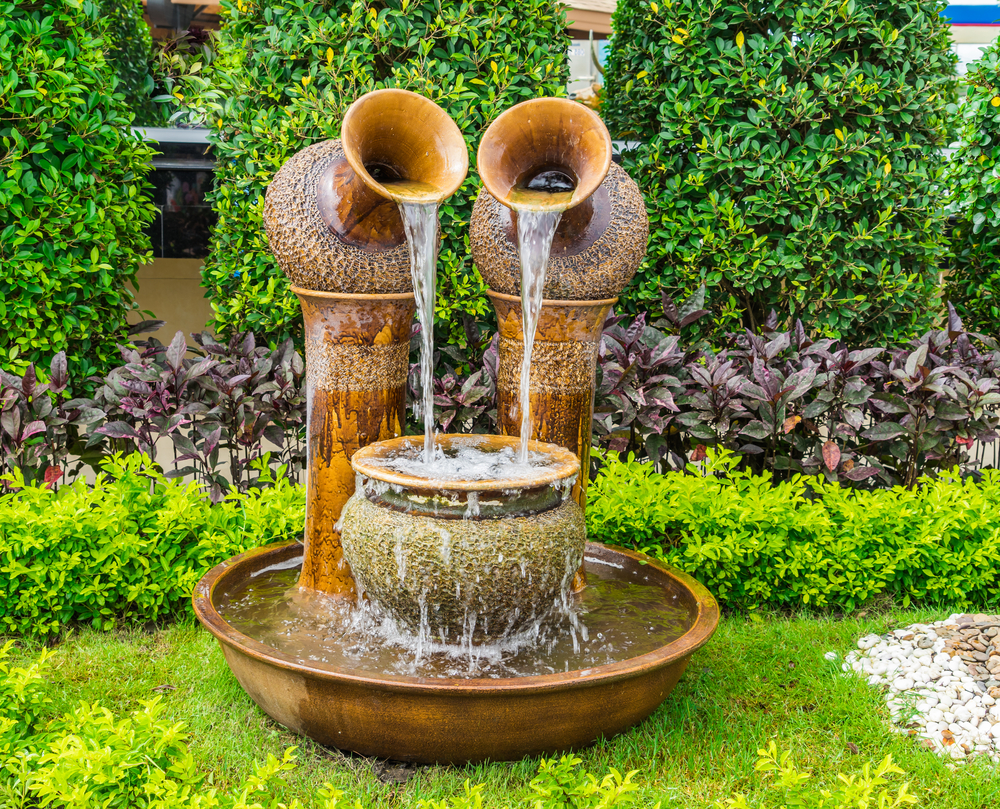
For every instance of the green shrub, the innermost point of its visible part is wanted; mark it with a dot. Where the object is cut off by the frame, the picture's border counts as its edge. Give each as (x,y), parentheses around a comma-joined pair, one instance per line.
(285,73)
(90,758)
(71,232)
(131,547)
(789,156)
(795,789)
(805,542)
(974,286)
(128,47)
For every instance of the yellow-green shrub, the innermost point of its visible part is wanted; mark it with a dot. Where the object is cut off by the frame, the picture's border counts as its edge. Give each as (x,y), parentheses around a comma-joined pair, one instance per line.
(130,547)
(806,542)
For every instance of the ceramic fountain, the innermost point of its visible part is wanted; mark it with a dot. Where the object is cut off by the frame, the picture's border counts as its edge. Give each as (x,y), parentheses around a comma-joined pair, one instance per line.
(445,605)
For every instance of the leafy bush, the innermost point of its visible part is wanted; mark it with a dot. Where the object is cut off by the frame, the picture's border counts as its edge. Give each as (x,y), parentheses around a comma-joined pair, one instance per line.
(285,73)
(793,788)
(755,542)
(974,286)
(231,399)
(217,411)
(90,757)
(128,47)
(132,546)
(789,156)
(72,234)
(789,404)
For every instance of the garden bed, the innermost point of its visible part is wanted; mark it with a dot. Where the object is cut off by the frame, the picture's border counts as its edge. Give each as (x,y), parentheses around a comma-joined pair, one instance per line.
(760,679)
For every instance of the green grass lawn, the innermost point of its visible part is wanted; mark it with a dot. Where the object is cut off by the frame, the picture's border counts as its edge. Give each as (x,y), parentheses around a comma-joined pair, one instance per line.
(758,679)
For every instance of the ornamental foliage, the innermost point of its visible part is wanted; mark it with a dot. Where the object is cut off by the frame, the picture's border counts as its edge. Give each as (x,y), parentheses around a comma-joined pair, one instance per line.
(72,208)
(789,155)
(974,287)
(285,73)
(756,543)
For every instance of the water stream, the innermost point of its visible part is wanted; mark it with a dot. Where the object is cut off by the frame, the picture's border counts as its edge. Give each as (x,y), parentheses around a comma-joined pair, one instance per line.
(420,223)
(535,230)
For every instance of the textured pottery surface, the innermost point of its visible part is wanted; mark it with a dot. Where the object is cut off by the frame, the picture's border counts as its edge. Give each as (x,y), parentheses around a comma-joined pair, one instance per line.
(312,254)
(497,575)
(596,260)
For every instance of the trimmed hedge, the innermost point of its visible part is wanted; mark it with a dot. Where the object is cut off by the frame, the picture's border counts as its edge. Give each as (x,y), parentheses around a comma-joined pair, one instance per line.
(131,547)
(974,286)
(789,157)
(804,542)
(283,76)
(74,211)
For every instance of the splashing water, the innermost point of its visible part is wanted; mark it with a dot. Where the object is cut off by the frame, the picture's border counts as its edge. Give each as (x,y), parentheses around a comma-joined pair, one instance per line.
(420,224)
(535,230)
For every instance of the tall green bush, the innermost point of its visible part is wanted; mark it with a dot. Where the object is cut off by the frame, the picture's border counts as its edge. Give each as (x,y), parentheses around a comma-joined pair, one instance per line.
(72,208)
(789,155)
(974,286)
(128,47)
(285,73)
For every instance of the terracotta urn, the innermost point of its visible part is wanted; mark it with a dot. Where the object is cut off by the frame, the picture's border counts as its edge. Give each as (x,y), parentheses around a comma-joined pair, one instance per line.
(333,222)
(602,234)
(598,244)
(452,559)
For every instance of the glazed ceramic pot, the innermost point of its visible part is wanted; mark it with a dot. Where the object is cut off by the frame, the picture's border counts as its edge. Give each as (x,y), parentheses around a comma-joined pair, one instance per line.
(454,558)
(596,249)
(331,212)
(357,359)
(602,233)
(563,369)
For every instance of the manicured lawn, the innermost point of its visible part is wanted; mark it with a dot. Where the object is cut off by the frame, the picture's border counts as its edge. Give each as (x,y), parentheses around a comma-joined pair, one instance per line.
(760,678)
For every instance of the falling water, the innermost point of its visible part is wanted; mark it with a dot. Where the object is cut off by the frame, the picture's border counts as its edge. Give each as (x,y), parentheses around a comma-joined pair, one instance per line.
(535,230)
(420,224)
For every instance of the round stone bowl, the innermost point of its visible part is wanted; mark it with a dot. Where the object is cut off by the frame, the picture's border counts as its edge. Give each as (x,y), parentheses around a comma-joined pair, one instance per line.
(454,558)
(448,720)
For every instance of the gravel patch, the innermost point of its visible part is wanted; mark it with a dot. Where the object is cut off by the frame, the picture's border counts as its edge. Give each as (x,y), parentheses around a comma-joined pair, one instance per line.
(942,681)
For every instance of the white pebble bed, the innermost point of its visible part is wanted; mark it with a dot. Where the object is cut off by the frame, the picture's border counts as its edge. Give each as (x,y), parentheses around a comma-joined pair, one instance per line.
(931,694)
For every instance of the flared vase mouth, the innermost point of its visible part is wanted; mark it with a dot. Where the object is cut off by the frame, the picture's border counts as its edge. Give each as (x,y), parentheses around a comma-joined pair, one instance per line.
(551,465)
(404,147)
(544,137)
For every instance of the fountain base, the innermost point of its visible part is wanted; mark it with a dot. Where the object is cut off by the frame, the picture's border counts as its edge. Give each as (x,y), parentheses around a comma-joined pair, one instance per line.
(447,720)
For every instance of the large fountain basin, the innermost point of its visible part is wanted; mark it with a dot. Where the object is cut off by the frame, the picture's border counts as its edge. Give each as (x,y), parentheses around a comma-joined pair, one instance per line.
(430,720)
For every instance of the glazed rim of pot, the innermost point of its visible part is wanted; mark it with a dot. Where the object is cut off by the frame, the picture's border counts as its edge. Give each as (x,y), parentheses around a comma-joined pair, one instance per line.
(369,461)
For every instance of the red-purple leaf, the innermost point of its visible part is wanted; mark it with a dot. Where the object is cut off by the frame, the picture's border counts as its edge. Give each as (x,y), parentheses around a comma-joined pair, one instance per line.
(118,429)
(831,455)
(32,428)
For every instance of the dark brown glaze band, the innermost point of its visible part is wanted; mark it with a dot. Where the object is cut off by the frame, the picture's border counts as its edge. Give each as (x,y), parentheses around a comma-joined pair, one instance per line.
(351,404)
(452,721)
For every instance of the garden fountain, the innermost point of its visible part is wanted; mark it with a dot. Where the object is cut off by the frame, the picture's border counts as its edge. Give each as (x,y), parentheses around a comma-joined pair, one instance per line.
(435,611)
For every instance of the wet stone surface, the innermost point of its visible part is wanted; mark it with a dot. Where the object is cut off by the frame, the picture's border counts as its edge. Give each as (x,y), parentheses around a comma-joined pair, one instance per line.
(942,681)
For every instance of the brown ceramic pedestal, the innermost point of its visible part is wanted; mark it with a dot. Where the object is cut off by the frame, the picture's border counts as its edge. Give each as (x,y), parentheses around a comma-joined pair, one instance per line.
(357,360)
(563,365)
(451,721)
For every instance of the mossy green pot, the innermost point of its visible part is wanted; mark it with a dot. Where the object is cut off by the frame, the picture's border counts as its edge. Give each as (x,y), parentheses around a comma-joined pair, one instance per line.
(464,560)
